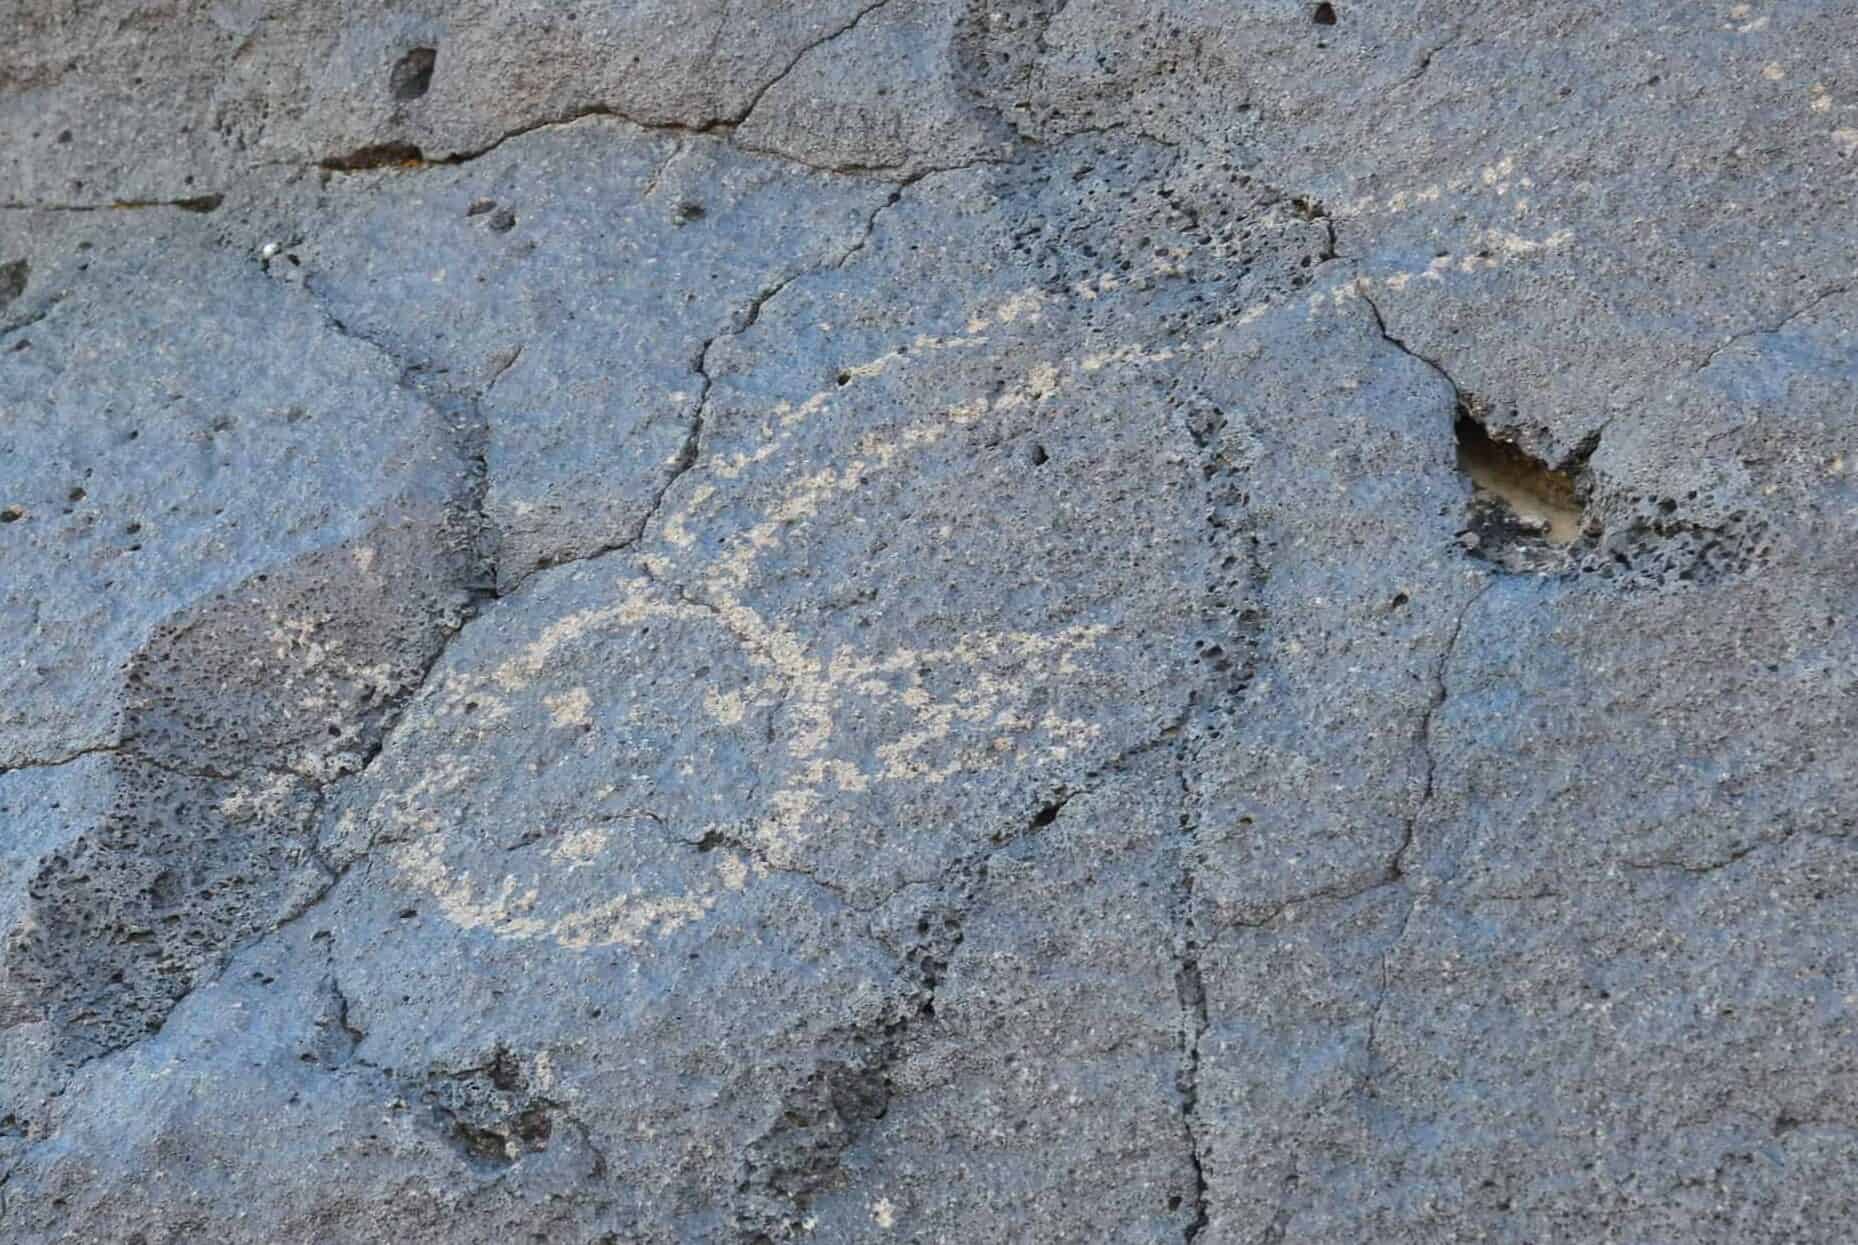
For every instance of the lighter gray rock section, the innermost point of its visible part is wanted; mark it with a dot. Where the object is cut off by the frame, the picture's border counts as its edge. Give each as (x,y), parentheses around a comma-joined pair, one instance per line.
(595,288)
(862,622)
(300,83)
(169,438)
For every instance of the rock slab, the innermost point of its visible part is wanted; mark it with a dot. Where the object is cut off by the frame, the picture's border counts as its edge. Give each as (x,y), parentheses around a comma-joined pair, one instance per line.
(928,621)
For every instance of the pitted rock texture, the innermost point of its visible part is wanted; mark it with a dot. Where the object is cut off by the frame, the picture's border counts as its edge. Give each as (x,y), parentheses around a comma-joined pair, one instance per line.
(928,621)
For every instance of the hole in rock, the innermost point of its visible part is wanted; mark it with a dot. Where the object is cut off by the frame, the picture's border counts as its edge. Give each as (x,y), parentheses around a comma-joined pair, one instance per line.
(412,76)
(1324,14)
(1519,504)
(1047,815)
(13,278)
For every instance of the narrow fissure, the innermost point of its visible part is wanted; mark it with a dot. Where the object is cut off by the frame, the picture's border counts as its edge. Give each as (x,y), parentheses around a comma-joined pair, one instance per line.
(1191,989)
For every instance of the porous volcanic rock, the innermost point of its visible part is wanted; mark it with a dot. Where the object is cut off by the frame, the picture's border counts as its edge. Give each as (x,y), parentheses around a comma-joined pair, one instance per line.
(906,620)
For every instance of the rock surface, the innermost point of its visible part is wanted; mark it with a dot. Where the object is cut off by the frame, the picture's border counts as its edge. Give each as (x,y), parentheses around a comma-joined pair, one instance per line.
(887,621)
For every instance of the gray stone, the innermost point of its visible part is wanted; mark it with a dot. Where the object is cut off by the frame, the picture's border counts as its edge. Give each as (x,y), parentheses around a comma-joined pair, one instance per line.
(169,440)
(919,621)
(598,286)
(301,83)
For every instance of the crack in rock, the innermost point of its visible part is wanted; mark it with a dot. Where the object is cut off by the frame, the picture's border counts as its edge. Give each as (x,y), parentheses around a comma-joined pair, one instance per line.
(1396,867)
(1737,854)
(1769,330)
(199,204)
(400,154)
(755,100)
(1396,872)
(798,1156)
(1191,989)
(1380,326)
(691,451)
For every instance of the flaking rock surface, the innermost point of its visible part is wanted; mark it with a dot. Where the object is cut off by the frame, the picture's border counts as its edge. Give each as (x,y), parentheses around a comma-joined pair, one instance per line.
(700,621)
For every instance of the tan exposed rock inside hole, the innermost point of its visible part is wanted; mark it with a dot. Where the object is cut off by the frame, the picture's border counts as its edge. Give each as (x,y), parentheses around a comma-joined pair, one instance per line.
(1542,498)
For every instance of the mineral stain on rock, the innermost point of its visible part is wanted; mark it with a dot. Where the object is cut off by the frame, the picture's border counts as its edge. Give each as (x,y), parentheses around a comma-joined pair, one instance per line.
(376,156)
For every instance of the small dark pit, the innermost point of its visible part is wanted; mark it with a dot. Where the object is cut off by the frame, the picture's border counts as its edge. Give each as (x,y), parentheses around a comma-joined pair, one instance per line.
(412,75)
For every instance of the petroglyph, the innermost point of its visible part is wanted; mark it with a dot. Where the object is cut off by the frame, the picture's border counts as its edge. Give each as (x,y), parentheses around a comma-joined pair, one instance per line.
(747,622)
(985,716)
